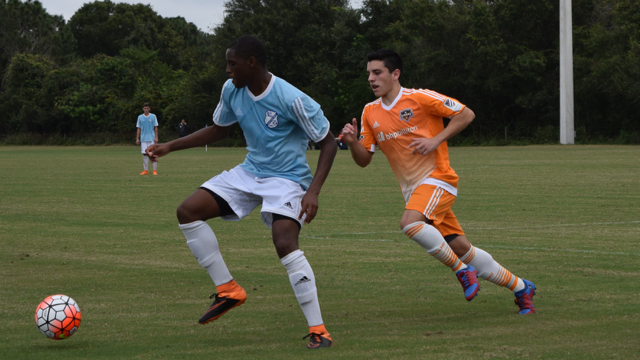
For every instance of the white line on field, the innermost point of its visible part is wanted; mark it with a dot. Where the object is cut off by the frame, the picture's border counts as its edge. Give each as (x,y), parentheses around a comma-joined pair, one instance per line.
(490,246)
(331,237)
(565,250)
(554,225)
(320,236)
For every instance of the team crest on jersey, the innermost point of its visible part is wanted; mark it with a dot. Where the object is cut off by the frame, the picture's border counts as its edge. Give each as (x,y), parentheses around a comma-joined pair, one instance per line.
(406,114)
(271,119)
(450,104)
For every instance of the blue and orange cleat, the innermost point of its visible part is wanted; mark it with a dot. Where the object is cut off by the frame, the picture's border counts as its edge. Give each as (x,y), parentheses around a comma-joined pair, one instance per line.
(524,298)
(469,280)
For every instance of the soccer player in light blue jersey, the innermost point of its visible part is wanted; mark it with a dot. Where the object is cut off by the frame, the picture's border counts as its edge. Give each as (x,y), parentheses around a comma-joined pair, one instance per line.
(277,121)
(147,135)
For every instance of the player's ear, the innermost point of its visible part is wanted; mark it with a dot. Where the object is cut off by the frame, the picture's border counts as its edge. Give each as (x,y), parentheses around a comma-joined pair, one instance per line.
(396,74)
(252,62)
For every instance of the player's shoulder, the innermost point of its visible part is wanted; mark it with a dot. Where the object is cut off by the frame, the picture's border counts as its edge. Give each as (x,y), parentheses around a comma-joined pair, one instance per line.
(282,88)
(424,94)
(373,104)
(290,96)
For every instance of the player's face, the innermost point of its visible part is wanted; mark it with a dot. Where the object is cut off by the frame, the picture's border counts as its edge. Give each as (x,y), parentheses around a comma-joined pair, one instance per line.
(239,69)
(380,79)
(146,110)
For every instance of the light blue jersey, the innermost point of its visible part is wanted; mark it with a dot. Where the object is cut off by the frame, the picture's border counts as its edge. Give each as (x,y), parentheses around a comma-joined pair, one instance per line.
(147,126)
(277,126)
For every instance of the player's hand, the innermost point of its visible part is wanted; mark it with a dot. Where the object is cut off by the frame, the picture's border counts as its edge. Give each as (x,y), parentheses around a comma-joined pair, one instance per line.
(137,141)
(309,207)
(423,145)
(350,131)
(157,150)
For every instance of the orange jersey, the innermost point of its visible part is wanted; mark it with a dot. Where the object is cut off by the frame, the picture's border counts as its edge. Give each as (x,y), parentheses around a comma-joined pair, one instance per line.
(415,113)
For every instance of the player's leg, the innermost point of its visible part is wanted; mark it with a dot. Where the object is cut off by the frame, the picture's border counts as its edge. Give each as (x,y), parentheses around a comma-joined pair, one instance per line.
(285,232)
(492,271)
(145,158)
(280,208)
(155,167)
(424,211)
(202,205)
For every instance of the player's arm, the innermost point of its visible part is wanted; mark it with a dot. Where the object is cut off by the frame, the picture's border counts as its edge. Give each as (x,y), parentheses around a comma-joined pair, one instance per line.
(199,138)
(359,153)
(138,136)
(328,150)
(155,128)
(458,123)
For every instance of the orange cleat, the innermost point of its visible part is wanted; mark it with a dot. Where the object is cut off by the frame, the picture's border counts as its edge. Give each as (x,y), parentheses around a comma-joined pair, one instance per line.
(155,172)
(229,296)
(144,173)
(320,338)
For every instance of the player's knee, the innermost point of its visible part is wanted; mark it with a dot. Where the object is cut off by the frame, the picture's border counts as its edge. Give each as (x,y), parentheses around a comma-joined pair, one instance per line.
(285,246)
(184,215)
(404,223)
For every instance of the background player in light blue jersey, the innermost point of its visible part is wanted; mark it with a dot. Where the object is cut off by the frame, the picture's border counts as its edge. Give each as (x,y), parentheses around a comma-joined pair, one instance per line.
(277,121)
(147,135)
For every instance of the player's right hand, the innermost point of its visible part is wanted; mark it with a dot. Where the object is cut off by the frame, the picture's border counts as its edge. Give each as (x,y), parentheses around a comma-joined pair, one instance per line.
(350,132)
(157,150)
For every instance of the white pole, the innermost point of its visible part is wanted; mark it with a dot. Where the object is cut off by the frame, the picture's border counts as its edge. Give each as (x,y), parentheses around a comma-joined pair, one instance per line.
(567,134)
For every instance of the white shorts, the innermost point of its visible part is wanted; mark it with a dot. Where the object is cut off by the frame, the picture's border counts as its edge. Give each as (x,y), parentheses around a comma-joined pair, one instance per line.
(144,145)
(244,192)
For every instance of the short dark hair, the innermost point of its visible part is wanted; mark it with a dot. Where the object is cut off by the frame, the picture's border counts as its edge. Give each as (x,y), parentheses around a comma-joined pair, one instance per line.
(247,46)
(146,105)
(391,59)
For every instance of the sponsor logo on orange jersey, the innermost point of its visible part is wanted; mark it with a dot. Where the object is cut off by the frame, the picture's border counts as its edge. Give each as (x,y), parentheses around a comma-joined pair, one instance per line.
(382,136)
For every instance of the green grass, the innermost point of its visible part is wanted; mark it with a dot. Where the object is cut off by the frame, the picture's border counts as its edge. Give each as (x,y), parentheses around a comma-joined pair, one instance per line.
(81,222)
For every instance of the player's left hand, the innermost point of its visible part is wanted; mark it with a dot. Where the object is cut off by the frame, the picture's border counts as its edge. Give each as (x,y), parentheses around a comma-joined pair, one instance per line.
(156,150)
(424,145)
(309,207)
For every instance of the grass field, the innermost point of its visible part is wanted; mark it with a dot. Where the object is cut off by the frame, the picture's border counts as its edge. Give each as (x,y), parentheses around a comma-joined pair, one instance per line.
(81,222)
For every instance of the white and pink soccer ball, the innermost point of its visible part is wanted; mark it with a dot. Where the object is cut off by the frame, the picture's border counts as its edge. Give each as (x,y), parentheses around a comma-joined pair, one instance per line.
(58,317)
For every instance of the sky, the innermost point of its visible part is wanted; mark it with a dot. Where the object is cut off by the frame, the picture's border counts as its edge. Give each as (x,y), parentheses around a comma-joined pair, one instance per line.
(205,14)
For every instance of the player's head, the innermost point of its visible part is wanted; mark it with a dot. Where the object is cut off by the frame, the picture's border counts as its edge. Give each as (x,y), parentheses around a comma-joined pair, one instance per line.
(146,108)
(245,57)
(384,68)
(390,58)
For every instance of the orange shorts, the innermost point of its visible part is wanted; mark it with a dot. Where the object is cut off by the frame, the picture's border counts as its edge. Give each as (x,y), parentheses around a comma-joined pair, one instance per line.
(435,204)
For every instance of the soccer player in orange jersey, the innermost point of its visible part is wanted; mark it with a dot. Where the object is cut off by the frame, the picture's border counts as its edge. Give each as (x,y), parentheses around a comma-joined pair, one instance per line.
(407,126)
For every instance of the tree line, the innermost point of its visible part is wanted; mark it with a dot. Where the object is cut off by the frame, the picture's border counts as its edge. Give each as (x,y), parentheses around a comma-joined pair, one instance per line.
(90,75)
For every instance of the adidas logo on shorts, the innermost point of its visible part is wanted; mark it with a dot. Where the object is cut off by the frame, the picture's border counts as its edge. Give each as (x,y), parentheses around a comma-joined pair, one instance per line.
(288,204)
(303,280)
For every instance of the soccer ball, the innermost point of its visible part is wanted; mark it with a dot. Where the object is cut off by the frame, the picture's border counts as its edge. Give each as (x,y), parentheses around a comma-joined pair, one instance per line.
(58,317)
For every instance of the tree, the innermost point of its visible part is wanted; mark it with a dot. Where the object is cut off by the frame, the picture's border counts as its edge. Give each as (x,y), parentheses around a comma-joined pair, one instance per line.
(26,27)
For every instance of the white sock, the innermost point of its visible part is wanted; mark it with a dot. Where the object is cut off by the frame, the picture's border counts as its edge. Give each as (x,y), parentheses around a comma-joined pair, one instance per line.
(155,165)
(204,246)
(490,270)
(431,240)
(145,162)
(304,286)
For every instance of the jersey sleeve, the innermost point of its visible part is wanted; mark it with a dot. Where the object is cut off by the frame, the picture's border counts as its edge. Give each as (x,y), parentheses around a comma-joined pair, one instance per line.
(223,115)
(310,117)
(367,138)
(440,105)
(155,120)
(138,123)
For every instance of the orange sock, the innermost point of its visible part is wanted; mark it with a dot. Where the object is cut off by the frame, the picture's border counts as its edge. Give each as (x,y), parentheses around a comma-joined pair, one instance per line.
(227,288)
(319,329)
